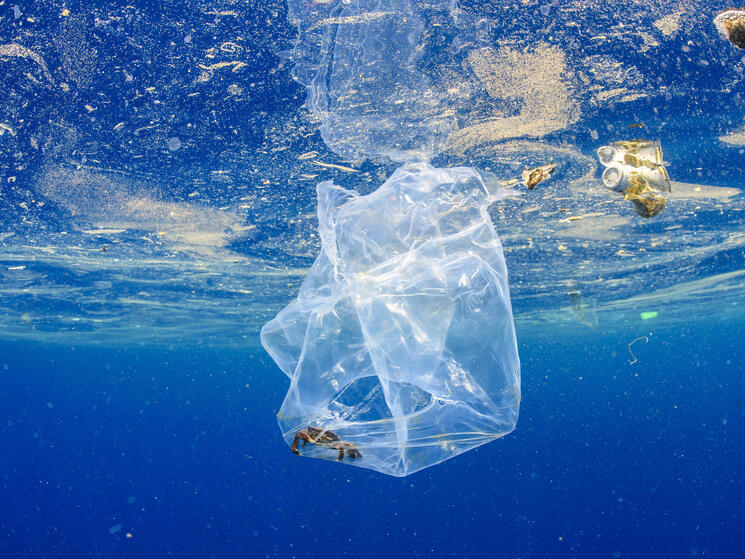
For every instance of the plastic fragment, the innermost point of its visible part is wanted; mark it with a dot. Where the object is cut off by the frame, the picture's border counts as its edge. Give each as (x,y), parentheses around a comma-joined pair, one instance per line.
(635,169)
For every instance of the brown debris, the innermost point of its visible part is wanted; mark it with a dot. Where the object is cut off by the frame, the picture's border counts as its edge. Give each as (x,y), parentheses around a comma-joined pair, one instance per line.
(533,177)
(646,202)
(731,24)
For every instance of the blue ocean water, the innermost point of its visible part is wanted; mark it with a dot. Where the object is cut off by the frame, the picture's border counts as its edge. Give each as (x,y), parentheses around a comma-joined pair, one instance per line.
(158,172)
(174,452)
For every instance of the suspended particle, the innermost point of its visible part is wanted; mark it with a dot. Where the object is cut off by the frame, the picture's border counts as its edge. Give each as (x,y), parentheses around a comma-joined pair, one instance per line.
(174,143)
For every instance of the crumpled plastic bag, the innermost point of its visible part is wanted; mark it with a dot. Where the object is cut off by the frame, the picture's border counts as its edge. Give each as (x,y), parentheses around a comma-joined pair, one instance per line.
(401,344)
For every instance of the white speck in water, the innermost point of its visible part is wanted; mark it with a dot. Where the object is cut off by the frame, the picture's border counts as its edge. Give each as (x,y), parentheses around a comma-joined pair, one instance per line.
(174,144)
(50,405)
(16,12)
(187,39)
(114,529)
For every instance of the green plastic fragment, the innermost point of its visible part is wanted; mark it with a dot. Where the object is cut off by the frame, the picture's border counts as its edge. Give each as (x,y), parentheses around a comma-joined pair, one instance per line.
(649,314)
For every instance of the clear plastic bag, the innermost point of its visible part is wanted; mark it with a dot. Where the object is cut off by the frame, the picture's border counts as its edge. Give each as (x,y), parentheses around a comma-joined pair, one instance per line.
(400,346)
(361,61)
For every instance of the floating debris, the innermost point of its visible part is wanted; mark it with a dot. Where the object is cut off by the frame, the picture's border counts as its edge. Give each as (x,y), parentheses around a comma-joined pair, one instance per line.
(236,64)
(731,25)
(533,177)
(644,339)
(583,308)
(6,128)
(334,166)
(11,50)
(174,144)
(635,169)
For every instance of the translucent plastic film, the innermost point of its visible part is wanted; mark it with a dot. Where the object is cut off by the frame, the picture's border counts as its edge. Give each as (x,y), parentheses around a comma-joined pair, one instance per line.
(400,346)
(361,61)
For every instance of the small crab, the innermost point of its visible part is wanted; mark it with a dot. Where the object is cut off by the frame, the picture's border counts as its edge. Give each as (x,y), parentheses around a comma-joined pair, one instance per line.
(323,437)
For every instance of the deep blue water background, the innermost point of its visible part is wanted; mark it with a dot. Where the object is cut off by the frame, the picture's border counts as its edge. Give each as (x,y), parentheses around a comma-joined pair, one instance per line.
(175,452)
(179,447)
